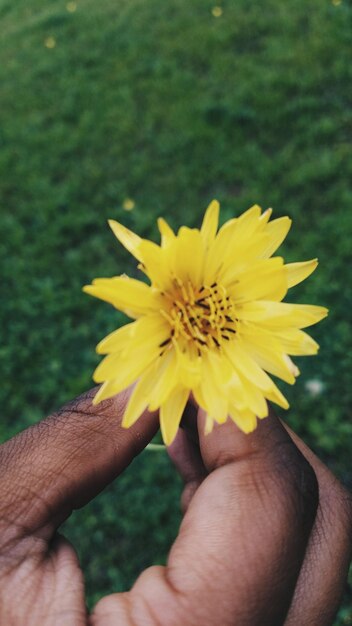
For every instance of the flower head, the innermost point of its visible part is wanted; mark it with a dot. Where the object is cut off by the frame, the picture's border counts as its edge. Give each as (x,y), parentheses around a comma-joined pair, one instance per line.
(211,321)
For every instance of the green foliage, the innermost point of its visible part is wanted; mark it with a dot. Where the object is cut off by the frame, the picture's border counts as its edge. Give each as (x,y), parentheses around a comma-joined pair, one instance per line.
(166,104)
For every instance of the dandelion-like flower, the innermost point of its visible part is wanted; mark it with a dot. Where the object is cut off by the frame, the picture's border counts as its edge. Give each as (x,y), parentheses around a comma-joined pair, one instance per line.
(211,321)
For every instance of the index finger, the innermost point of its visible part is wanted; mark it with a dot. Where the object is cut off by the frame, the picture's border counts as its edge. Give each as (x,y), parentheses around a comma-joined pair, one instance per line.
(324,572)
(63,461)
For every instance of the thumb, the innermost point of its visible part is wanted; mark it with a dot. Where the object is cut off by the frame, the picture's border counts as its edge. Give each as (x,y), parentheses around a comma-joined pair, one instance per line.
(242,541)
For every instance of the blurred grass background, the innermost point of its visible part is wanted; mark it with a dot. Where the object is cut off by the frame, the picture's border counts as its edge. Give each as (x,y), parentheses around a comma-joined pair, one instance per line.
(132,109)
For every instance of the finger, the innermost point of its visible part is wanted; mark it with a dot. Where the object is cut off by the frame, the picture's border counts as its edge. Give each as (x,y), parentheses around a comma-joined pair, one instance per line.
(323,576)
(242,541)
(62,462)
(185,455)
(253,526)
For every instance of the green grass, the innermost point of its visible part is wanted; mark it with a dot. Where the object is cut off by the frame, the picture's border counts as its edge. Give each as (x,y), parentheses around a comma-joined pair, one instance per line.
(162,102)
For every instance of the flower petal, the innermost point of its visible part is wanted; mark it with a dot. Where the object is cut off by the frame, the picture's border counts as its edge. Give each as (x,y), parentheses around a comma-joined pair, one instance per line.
(189,259)
(117,341)
(274,395)
(144,346)
(139,398)
(244,364)
(255,400)
(215,397)
(262,280)
(124,371)
(210,222)
(189,369)
(296,342)
(265,217)
(171,413)
(126,294)
(129,239)
(296,272)
(156,263)
(245,420)
(248,221)
(281,314)
(166,381)
(268,353)
(277,231)
(167,234)
(209,424)
(234,233)
(128,372)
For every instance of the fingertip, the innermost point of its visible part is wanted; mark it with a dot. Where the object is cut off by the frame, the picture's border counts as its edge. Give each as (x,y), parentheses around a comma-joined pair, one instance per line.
(227,442)
(185,455)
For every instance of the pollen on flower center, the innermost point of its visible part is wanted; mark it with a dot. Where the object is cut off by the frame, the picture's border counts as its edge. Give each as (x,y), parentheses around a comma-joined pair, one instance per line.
(203,317)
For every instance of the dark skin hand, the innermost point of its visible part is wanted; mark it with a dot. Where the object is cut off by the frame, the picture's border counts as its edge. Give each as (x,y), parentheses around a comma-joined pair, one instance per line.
(265,539)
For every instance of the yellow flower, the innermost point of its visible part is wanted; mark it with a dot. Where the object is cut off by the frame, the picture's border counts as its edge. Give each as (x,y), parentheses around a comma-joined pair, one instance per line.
(211,322)
(217,11)
(71,7)
(50,42)
(128,204)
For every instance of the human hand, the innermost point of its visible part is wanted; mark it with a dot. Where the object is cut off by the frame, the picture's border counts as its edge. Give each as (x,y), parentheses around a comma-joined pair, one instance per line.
(266,536)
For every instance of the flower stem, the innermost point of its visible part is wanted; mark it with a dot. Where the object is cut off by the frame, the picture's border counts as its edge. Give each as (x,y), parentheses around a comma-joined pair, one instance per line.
(155,447)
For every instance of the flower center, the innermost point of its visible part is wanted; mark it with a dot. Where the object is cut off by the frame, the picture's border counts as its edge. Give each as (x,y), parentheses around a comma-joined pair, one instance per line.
(203,317)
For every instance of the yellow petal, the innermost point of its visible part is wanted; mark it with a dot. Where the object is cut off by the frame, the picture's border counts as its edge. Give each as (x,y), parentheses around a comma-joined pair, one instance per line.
(209,424)
(189,369)
(156,263)
(255,400)
(105,391)
(189,260)
(215,397)
(129,239)
(124,370)
(221,368)
(296,272)
(233,234)
(144,346)
(275,395)
(249,220)
(117,341)
(296,342)
(281,314)
(167,234)
(171,413)
(198,396)
(244,364)
(126,294)
(210,222)
(166,381)
(238,231)
(215,256)
(262,280)
(240,256)
(245,420)
(265,217)
(268,354)
(124,378)
(237,392)
(277,231)
(139,398)
(292,366)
